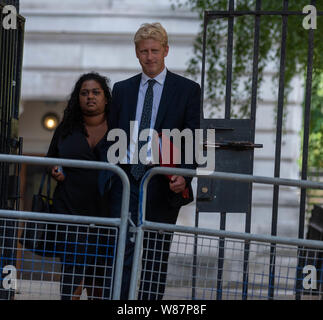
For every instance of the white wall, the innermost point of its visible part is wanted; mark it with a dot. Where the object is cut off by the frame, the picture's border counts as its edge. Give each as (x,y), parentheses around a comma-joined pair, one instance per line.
(62,42)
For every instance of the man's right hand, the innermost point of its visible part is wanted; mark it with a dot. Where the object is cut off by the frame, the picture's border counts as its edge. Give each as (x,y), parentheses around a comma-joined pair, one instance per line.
(177,184)
(58,176)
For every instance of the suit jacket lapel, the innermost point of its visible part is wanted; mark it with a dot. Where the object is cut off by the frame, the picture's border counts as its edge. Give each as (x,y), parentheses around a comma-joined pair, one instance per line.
(166,99)
(132,93)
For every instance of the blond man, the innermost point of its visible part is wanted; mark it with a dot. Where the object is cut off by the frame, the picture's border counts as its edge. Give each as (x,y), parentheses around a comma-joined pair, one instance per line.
(158,99)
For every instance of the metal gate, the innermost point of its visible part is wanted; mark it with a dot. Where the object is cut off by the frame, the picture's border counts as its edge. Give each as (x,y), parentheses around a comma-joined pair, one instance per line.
(195,261)
(235,138)
(11,52)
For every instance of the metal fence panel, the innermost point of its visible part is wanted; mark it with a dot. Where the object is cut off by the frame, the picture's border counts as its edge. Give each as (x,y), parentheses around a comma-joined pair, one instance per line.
(70,256)
(206,285)
(70,226)
(185,261)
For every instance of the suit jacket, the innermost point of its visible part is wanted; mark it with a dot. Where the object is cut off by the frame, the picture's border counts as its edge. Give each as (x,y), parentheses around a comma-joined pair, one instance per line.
(179,107)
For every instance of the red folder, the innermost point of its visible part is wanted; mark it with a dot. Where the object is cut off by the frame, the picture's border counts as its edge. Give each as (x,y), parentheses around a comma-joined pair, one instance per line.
(174,154)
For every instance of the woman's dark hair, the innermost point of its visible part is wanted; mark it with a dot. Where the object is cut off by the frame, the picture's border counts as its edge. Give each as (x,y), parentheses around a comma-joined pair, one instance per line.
(72,113)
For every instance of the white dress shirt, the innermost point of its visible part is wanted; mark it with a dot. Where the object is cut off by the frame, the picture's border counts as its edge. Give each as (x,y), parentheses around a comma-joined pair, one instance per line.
(157,89)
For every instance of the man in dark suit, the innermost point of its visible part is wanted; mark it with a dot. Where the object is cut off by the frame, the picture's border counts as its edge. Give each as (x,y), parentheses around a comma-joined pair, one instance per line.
(158,99)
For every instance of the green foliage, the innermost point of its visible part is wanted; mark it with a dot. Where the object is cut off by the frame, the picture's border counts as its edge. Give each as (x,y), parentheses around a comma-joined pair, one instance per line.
(315,157)
(269,52)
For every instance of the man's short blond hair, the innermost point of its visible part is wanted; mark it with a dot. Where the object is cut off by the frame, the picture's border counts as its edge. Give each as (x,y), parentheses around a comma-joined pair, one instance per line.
(152,31)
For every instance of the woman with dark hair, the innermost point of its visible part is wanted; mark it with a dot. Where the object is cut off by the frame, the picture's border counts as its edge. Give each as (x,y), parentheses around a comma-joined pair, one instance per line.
(80,136)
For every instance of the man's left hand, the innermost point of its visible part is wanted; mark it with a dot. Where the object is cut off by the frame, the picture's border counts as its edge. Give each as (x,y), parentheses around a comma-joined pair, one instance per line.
(177,184)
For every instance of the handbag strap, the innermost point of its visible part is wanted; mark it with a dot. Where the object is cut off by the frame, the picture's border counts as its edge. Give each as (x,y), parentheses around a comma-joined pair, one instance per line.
(42,183)
(48,184)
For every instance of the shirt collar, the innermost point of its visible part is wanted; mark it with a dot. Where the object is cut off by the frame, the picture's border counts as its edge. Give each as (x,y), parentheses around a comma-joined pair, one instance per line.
(160,78)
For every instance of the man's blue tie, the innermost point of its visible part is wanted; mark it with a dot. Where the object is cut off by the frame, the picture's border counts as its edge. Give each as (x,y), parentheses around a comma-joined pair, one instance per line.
(138,170)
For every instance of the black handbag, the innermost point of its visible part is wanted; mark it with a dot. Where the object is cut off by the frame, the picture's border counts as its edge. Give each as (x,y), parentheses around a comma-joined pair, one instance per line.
(39,237)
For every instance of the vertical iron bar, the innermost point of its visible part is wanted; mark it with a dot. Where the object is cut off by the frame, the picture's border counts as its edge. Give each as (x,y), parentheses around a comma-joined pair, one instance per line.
(307,116)
(20,47)
(227,116)
(14,72)
(18,174)
(4,141)
(253,124)
(254,92)
(221,257)
(10,51)
(1,107)
(229,62)
(194,270)
(206,21)
(10,77)
(278,150)
(2,294)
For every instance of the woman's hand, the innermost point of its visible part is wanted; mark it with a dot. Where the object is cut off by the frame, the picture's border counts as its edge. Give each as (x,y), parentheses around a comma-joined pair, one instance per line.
(57,175)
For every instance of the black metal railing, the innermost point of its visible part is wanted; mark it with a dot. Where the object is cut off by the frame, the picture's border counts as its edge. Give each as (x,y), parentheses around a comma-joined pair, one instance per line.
(246,199)
(11,53)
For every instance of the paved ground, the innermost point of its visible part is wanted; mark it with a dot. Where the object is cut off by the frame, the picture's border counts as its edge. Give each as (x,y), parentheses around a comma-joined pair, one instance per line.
(46,290)
(40,290)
